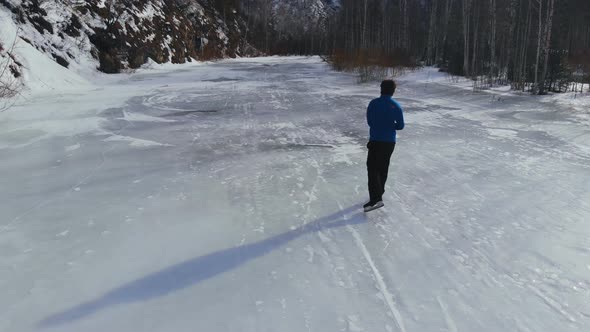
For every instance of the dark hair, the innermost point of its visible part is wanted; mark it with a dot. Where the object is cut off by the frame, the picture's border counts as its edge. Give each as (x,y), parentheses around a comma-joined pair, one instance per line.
(388,87)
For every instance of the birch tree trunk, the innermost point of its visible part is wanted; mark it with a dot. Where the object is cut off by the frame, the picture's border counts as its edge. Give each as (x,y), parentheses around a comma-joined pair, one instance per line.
(509,45)
(364,36)
(548,28)
(492,40)
(404,10)
(539,35)
(466,15)
(475,35)
(431,34)
(523,73)
(445,31)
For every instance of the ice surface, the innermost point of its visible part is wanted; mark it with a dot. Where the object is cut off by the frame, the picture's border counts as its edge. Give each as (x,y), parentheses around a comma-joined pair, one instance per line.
(227,197)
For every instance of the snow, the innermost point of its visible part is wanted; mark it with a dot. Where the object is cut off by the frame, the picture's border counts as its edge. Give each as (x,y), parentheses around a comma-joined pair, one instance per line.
(41,74)
(134,141)
(227,196)
(569,107)
(148,12)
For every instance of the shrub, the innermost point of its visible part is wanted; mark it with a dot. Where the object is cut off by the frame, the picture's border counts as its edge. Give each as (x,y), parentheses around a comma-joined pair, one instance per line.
(9,75)
(371,65)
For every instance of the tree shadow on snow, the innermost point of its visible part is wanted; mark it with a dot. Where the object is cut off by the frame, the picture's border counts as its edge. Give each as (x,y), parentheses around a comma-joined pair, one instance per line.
(193,271)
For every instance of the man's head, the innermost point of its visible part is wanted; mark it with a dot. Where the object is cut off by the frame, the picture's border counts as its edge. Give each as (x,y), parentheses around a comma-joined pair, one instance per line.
(388,87)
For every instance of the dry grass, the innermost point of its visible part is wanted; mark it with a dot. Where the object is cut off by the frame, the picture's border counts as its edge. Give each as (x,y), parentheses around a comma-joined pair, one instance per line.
(209,52)
(581,61)
(10,74)
(371,65)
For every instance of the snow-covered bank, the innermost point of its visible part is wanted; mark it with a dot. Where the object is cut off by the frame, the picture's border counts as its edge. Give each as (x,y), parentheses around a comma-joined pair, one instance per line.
(40,74)
(552,113)
(226,197)
(580,101)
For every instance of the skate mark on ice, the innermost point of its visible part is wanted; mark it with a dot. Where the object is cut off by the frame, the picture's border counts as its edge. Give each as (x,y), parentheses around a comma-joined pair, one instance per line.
(387,296)
(72,147)
(193,271)
(448,319)
(310,253)
(553,304)
(353,323)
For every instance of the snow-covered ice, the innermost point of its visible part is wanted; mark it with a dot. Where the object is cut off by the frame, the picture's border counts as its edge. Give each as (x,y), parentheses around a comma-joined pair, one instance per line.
(227,197)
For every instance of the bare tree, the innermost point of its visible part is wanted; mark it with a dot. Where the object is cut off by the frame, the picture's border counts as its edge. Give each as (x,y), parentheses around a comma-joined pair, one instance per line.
(531,44)
(547,36)
(493,65)
(9,75)
(405,24)
(474,55)
(466,26)
(539,36)
(445,29)
(431,51)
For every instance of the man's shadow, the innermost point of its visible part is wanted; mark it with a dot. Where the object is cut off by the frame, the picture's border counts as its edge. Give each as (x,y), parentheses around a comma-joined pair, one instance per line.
(193,271)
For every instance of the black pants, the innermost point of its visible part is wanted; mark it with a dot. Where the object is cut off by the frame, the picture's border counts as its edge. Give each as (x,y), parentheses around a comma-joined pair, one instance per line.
(378,167)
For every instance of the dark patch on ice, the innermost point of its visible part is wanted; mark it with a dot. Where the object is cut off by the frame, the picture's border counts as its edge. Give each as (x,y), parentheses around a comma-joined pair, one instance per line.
(507,115)
(545,116)
(444,108)
(406,100)
(113,113)
(292,146)
(420,109)
(534,115)
(535,135)
(115,125)
(222,79)
(184,113)
(329,146)
(284,68)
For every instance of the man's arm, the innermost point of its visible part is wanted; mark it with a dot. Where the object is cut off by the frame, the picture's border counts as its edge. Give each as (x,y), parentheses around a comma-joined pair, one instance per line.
(398,117)
(370,114)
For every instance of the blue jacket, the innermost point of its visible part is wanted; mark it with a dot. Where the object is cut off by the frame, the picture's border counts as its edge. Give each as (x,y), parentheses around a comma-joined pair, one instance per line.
(384,116)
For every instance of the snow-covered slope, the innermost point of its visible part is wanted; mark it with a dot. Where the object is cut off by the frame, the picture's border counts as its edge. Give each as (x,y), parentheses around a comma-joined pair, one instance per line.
(114,35)
(31,67)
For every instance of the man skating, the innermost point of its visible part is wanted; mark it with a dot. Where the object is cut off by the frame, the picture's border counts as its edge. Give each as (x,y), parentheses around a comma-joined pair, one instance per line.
(384,116)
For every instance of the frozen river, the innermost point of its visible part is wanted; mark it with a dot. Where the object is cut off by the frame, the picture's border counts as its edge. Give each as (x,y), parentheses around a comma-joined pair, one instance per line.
(226,197)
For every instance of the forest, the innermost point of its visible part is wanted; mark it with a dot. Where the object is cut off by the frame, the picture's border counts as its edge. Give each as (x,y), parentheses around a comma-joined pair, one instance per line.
(533,45)
(538,46)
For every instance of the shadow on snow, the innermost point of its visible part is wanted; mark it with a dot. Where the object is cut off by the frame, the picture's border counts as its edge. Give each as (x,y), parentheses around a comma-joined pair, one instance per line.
(193,271)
